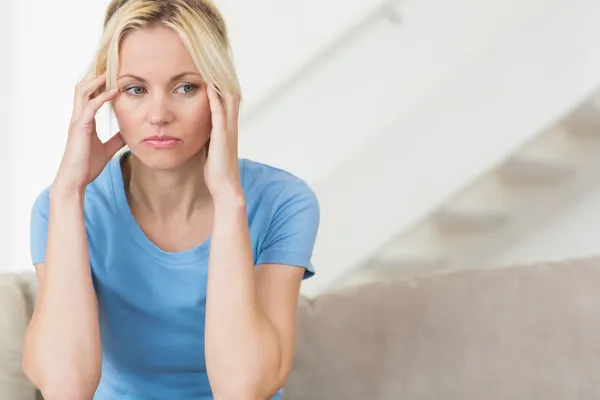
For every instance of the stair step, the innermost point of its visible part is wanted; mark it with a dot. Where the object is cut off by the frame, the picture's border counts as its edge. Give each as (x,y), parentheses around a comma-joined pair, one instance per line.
(413,245)
(470,221)
(406,267)
(534,172)
(586,120)
(414,262)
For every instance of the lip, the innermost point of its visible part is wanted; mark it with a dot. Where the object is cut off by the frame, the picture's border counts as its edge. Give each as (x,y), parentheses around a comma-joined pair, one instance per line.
(162,142)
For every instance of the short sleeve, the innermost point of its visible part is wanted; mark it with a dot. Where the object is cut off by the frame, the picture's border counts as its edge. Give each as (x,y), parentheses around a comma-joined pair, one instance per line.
(292,233)
(39,227)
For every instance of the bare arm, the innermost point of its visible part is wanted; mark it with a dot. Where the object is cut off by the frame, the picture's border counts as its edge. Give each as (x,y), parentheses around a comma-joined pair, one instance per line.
(62,354)
(62,351)
(250,315)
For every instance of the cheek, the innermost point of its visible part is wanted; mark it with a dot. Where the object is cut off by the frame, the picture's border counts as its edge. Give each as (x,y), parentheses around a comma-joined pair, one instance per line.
(127,115)
(197,116)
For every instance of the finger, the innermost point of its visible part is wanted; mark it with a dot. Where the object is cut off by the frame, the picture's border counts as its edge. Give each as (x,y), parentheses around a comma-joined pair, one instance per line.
(114,144)
(232,107)
(216,108)
(84,90)
(89,112)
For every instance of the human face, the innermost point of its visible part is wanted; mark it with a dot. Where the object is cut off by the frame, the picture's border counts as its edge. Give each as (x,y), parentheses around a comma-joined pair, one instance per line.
(163,109)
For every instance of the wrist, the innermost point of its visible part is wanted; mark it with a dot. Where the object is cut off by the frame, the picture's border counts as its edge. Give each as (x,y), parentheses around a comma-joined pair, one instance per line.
(229,201)
(64,191)
(229,195)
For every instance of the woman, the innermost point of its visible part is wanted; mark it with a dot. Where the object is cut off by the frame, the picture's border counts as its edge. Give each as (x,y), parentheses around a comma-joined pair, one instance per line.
(172,270)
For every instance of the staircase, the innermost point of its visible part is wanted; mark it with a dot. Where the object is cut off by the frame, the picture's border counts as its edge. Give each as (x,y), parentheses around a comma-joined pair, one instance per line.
(411,123)
(453,167)
(434,133)
(540,179)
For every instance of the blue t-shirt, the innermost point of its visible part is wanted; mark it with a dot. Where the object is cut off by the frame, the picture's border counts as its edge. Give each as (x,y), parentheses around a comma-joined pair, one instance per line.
(152,302)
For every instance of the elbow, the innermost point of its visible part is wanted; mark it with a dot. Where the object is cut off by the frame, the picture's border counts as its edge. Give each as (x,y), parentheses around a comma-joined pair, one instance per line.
(66,389)
(68,393)
(240,392)
(249,387)
(55,386)
(28,367)
(255,377)
(234,388)
(58,379)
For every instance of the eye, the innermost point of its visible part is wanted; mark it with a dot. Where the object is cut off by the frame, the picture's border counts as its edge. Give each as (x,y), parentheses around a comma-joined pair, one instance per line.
(135,90)
(187,88)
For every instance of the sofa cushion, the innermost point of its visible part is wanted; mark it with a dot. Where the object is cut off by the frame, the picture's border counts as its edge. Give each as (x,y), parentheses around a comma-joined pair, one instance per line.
(519,333)
(14,317)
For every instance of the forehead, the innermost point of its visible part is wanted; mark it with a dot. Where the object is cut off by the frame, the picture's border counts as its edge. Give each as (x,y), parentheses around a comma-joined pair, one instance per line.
(154,51)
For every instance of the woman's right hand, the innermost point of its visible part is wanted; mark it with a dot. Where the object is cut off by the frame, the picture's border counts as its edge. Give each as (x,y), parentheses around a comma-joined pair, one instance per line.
(85,156)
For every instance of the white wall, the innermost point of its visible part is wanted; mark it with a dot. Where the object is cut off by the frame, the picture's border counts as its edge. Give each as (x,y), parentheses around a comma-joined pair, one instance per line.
(372,94)
(271,39)
(7,129)
(469,123)
(572,234)
(388,73)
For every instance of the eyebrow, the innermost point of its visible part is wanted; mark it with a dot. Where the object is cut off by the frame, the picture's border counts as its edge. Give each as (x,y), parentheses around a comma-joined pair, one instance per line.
(175,78)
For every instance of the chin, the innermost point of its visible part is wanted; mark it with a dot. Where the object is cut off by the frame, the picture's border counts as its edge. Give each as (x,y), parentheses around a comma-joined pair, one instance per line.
(165,159)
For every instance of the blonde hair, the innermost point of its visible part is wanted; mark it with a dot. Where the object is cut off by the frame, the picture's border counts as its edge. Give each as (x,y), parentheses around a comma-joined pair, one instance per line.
(198,23)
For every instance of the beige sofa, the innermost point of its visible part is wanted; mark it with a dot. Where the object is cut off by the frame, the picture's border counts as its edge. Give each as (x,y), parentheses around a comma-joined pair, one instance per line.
(524,332)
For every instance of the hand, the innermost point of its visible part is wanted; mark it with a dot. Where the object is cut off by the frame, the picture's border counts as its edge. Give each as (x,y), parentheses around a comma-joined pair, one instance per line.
(85,156)
(221,171)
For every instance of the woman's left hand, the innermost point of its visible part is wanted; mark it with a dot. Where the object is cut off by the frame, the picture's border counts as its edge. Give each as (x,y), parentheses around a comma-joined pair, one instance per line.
(221,171)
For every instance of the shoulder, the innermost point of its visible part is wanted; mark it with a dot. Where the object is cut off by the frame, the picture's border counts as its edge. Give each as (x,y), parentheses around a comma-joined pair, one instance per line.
(280,202)
(41,206)
(286,216)
(97,206)
(268,184)
(98,193)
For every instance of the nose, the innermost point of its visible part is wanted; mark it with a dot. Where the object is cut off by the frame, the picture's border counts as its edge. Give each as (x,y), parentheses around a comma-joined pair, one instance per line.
(160,111)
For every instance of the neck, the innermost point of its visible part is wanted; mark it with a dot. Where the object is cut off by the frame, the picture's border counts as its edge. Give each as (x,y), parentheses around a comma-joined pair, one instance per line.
(166,194)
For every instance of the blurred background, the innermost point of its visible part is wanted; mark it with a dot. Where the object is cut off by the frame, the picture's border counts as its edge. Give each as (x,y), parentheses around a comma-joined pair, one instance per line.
(437,135)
